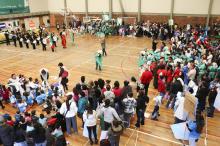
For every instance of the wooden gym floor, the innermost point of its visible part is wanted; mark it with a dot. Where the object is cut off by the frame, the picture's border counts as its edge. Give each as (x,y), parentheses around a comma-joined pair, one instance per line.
(120,64)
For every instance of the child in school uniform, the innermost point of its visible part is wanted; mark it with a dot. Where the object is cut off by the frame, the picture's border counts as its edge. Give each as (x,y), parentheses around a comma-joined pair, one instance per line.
(155,114)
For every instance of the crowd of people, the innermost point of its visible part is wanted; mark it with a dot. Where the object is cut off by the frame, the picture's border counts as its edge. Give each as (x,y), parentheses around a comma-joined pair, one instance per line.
(186,62)
(38,37)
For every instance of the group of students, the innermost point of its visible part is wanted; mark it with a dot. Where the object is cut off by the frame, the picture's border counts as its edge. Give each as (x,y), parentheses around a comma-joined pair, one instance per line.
(38,37)
(88,101)
(188,64)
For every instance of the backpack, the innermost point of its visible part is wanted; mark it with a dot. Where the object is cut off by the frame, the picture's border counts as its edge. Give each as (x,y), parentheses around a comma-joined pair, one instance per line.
(65,74)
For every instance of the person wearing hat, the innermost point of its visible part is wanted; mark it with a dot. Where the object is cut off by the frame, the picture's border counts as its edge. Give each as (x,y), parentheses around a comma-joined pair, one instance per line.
(98,59)
(114,132)
(6,133)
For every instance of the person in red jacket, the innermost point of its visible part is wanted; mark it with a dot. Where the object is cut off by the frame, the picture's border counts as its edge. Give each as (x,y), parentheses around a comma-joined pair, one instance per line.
(161,86)
(145,79)
(169,76)
(5,93)
(177,71)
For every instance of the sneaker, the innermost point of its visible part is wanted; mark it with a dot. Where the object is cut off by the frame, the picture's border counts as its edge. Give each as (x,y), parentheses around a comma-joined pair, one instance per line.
(137,125)
(91,142)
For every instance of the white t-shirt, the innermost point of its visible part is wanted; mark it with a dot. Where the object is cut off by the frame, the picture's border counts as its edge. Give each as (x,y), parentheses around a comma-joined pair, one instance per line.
(109,114)
(109,95)
(72,111)
(89,119)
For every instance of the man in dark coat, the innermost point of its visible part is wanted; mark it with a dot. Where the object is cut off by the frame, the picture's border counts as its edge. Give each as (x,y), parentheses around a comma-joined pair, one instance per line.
(6,133)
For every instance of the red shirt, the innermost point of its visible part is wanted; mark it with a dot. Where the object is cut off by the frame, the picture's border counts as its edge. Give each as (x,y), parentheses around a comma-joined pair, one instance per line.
(161,86)
(176,73)
(169,76)
(10,123)
(146,77)
(103,90)
(117,92)
(163,71)
(5,94)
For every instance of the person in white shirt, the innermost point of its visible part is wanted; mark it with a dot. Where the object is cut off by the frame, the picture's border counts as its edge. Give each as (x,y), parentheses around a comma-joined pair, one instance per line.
(44,44)
(89,118)
(109,94)
(192,72)
(109,114)
(69,110)
(129,108)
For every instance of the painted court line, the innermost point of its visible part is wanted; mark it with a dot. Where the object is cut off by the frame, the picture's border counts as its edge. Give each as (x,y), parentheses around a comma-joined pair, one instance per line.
(155,136)
(91,59)
(130,136)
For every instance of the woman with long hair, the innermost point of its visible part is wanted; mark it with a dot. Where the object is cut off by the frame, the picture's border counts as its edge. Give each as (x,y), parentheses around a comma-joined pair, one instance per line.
(89,118)
(69,111)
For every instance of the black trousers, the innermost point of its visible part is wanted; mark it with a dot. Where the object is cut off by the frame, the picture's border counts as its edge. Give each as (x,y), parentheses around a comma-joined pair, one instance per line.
(104,52)
(140,117)
(146,86)
(44,47)
(55,43)
(107,125)
(20,44)
(27,45)
(64,82)
(34,46)
(15,43)
(7,41)
(90,130)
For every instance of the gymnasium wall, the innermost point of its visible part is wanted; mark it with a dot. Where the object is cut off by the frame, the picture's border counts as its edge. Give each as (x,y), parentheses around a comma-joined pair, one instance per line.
(38,5)
(185,11)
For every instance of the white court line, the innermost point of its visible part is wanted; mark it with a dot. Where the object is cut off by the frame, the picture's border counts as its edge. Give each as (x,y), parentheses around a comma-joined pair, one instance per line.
(86,143)
(155,136)
(130,136)
(89,60)
(22,53)
(136,139)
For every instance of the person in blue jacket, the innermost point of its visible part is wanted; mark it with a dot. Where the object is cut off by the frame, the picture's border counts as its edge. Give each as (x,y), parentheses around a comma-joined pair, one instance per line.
(195,128)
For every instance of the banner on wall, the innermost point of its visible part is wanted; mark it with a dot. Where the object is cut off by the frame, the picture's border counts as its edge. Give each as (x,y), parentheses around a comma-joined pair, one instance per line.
(13,6)
(2,25)
(31,23)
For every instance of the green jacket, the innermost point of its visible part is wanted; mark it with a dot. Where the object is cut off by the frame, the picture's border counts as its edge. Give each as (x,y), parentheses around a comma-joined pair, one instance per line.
(98,59)
(212,71)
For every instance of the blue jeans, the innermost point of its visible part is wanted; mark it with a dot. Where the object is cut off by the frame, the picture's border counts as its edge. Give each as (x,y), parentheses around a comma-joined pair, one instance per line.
(24,143)
(140,117)
(162,94)
(127,118)
(71,121)
(41,144)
